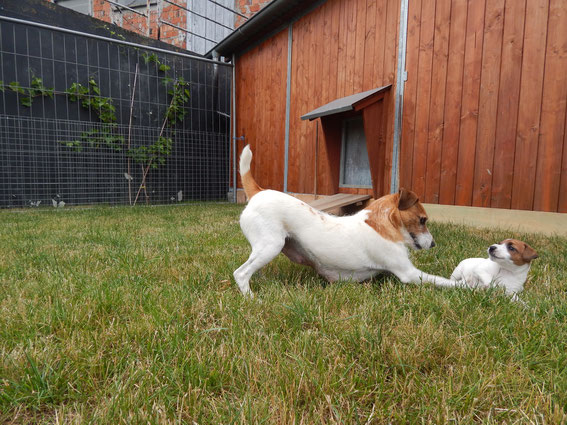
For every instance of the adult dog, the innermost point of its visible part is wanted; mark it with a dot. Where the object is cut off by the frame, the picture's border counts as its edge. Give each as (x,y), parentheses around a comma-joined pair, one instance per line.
(355,247)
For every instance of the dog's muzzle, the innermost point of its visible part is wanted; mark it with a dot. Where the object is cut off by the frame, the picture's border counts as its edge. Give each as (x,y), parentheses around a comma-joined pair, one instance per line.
(421,245)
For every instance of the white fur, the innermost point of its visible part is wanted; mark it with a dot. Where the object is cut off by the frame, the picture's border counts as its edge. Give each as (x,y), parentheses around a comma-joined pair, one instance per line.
(337,247)
(497,270)
(245,160)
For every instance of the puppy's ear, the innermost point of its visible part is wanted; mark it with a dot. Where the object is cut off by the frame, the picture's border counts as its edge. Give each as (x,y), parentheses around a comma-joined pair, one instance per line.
(529,253)
(407,199)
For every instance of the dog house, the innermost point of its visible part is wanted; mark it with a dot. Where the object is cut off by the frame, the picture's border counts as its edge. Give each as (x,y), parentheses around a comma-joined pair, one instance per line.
(354,130)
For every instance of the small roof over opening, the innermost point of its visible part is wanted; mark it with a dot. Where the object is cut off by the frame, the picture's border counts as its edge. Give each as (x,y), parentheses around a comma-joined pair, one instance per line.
(349,103)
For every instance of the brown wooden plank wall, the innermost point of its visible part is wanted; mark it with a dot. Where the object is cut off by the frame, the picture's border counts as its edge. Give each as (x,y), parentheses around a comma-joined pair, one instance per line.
(485,103)
(340,48)
(261,77)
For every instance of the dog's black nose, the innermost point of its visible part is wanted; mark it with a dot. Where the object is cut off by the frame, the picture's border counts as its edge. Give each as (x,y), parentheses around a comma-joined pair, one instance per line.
(432,244)
(492,248)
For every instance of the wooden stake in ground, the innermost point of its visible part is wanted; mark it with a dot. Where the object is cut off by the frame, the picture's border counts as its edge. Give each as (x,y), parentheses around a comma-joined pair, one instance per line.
(145,172)
(130,137)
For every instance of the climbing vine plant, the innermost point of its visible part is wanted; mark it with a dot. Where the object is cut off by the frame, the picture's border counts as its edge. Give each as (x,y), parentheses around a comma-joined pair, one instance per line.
(90,98)
(155,154)
(36,89)
(107,134)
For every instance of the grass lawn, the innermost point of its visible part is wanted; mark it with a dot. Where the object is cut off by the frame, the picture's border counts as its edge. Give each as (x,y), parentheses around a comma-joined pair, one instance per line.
(130,315)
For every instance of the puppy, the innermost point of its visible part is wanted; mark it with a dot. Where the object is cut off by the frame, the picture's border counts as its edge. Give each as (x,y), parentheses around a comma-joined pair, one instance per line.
(354,247)
(507,266)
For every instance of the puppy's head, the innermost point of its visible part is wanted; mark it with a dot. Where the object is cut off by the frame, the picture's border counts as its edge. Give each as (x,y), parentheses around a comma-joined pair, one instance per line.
(511,252)
(414,221)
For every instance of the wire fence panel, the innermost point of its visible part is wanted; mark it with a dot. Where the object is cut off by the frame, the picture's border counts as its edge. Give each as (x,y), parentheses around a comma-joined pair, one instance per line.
(86,121)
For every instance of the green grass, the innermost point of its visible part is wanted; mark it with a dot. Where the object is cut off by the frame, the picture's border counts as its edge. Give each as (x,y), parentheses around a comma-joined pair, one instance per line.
(127,316)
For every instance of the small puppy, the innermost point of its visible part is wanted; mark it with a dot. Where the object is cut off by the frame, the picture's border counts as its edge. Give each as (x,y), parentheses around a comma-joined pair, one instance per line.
(355,247)
(507,266)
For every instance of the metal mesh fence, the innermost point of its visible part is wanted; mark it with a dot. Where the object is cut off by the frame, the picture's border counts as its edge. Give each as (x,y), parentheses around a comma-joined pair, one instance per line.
(87,121)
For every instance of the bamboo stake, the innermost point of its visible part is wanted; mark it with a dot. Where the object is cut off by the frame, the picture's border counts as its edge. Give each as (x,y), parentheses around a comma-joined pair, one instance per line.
(143,184)
(130,136)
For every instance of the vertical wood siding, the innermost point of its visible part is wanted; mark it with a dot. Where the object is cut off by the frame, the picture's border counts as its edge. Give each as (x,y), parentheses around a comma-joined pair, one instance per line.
(340,48)
(260,104)
(485,103)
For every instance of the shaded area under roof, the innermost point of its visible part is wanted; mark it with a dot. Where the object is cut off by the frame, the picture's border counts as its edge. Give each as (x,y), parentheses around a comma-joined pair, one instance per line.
(273,16)
(343,104)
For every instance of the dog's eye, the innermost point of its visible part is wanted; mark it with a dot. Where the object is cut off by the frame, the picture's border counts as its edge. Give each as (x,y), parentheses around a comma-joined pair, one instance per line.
(511,248)
(423,220)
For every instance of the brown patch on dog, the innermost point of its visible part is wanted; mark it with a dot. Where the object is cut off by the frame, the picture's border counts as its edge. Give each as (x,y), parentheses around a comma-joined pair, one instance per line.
(317,214)
(415,218)
(407,199)
(389,213)
(251,188)
(384,217)
(520,252)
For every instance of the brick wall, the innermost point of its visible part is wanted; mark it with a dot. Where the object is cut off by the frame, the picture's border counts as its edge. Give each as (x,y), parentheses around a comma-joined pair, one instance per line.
(248,8)
(133,22)
(177,17)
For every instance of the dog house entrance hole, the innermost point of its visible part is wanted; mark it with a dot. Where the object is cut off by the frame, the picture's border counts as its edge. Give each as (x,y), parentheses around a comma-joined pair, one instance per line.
(355,168)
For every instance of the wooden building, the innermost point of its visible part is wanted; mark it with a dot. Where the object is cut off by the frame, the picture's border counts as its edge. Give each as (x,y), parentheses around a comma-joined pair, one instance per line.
(466,105)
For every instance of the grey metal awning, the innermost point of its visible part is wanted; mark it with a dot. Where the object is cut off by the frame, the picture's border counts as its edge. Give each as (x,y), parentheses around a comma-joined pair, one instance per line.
(343,104)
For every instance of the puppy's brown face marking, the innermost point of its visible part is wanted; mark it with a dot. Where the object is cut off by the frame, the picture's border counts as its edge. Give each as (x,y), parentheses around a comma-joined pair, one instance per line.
(520,252)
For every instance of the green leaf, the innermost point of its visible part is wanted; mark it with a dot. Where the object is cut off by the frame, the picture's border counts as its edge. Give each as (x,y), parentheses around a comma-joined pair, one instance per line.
(73,144)
(26,101)
(15,86)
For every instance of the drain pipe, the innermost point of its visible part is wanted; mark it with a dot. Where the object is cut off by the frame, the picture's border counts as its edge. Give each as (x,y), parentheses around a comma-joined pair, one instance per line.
(401,78)
(234,128)
(287,103)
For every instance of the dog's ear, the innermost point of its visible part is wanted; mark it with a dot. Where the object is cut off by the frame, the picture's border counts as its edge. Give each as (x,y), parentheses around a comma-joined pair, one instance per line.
(407,199)
(529,253)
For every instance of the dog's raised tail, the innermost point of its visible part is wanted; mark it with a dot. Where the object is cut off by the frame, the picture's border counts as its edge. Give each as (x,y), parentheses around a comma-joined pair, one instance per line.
(251,188)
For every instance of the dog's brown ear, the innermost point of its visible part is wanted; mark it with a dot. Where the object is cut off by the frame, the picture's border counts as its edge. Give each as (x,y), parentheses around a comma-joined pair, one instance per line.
(529,253)
(407,199)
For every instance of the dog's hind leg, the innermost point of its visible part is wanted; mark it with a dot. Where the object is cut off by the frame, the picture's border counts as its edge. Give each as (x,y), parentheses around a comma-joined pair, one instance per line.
(263,251)
(457,273)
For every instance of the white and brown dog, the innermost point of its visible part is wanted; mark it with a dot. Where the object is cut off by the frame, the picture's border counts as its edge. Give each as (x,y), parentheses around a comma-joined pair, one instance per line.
(354,247)
(507,266)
